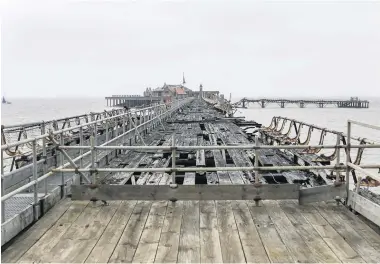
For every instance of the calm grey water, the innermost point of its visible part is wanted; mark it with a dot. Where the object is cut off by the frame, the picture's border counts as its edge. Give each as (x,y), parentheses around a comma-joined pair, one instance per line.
(30,110)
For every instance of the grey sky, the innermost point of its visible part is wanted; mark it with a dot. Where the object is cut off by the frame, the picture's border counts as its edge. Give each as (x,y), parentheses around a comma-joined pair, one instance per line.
(98,48)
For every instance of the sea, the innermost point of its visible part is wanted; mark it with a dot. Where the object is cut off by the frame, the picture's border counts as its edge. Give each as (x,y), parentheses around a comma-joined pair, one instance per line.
(25,110)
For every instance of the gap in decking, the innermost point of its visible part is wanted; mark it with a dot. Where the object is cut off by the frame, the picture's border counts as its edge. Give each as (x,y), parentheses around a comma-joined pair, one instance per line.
(183,155)
(210,162)
(202,126)
(229,160)
(185,162)
(200,179)
(162,141)
(136,174)
(180,177)
(268,165)
(275,179)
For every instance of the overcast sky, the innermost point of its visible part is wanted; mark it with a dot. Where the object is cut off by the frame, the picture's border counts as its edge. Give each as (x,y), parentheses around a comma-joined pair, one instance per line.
(98,48)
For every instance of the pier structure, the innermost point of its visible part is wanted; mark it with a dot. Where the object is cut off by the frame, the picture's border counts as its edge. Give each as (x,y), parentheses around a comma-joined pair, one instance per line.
(131,100)
(186,183)
(354,102)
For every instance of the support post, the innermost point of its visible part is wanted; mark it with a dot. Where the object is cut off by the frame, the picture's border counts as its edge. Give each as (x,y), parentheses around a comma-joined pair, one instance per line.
(136,130)
(61,162)
(81,153)
(64,154)
(35,177)
(348,159)
(257,176)
(92,142)
(96,138)
(337,180)
(44,156)
(107,138)
(173,159)
(124,124)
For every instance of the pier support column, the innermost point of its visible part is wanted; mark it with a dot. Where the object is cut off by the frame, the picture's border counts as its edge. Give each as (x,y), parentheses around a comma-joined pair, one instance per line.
(262,104)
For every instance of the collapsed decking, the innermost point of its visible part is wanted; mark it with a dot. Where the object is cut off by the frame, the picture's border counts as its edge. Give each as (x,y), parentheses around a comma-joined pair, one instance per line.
(172,230)
(227,173)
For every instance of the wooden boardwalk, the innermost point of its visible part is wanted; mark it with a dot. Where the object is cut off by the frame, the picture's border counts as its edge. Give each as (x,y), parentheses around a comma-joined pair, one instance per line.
(196,231)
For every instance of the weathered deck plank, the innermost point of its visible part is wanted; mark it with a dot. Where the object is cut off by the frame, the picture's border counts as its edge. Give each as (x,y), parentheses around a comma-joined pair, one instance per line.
(209,235)
(357,242)
(337,243)
(148,244)
(254,250)
(106,244)
(288,233)
(321,250)
(232,251)
(275,248)
(128,243)
(189,244)
(167,250)
(205,231)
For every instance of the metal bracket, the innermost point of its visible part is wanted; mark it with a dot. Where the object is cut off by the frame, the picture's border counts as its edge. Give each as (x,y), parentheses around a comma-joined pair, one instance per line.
(67,157)
(136,130)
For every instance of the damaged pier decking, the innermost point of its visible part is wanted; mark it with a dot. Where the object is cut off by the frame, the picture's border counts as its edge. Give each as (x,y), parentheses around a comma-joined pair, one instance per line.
(211,227)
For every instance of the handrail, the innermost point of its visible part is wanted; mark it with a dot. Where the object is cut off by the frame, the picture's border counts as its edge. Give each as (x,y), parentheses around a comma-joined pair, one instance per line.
(157,115)
(22,142)
(348,166)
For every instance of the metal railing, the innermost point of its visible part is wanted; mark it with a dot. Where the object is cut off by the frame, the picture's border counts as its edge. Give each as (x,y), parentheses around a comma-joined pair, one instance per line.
(353,166)
(148,116)
(158,115)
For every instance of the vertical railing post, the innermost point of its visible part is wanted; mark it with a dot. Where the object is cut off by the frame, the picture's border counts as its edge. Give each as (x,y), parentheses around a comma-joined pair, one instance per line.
(115,131)
(96,139)
(44,156)
(92,142)
(150,119)
(257,174)
(124,124)
(337,179)
(80,153)
(107,139)
(61,162)
(35,178)
(2,188)
(348,159)
(173,159)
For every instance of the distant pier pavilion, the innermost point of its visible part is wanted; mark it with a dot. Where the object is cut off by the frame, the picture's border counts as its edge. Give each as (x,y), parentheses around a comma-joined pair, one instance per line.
(131,100)
(354,102)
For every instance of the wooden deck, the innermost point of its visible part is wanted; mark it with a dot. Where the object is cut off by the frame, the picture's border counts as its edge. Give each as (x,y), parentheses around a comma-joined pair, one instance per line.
(196,231)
